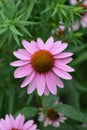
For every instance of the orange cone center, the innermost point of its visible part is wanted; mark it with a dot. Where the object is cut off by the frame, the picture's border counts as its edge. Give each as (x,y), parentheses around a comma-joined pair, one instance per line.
(42,61)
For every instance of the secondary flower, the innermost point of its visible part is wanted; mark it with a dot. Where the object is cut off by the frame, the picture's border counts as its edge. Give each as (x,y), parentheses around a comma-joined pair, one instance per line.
(59,30)
(83,20)
(43,65)
(51,117)
(16,124)
(83,3)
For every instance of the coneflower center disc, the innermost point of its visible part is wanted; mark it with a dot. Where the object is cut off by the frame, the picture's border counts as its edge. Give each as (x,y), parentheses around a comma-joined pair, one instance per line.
(52,115)
(14,129)
(42,61)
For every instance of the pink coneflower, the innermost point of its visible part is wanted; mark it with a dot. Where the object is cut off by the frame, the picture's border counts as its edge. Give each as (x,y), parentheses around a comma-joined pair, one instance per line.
(83,3)
(43,65)
(51,117)
(84,20)
(59,30)
(75,27)
(16,124)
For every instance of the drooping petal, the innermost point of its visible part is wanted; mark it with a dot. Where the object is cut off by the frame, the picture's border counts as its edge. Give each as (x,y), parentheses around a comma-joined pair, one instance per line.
(28,79)
(46,92)
(41,84)
(64,67)
(31,48)
(19,63)
(58,81)
(63,55)
(60,48)
(56,124)
(62,74)
(22,54)
(49,43)
(50,80)
(23,71)
(32,85)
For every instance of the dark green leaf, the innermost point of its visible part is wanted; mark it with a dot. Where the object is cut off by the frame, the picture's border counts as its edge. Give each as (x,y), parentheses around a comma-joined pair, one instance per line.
(28,112)
(71,112)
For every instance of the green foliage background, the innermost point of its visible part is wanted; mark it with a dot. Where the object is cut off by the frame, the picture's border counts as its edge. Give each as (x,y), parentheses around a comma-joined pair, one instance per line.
(29,19)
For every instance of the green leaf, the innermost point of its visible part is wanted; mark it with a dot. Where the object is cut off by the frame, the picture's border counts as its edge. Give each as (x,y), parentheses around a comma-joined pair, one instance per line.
(28,112)
(16,39)
(30,8)
(26,31)
(71,112)
(80,58)
(25,23)
(47,9)
(55,11)
(50,100)
(63,12)
(14,30)
(2,30)
(1,99)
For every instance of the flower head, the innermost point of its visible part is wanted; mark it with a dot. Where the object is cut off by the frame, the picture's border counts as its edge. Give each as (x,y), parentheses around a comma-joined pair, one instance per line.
(51,117)
(83,20)
(83,3)
(16,124)
(43,65)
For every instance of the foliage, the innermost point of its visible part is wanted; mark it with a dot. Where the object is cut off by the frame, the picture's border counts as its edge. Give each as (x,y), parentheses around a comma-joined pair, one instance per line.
(29,19)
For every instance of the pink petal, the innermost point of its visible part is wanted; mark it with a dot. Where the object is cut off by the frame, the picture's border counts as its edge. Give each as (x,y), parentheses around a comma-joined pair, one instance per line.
(23,71)
(46,92)
(64,67)
(63,55)
(49,43)
(19,63)
(28,124)
(33,127)
(32,85)
(55,46)
(31,48)
(62,74)
(41,84)
(56,124)
(58,48)
(22,54)
(12,120)
(40,43)
(8,122)
(28,79)
(58,81)
(19,121)
(50,80)
(3,125)
(65,60)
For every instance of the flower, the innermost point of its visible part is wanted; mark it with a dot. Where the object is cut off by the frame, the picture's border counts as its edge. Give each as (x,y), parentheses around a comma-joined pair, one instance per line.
(75,27)
(59,30)
(51,117)
(83,20)
(83,3)
(16,124)
(43,65)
